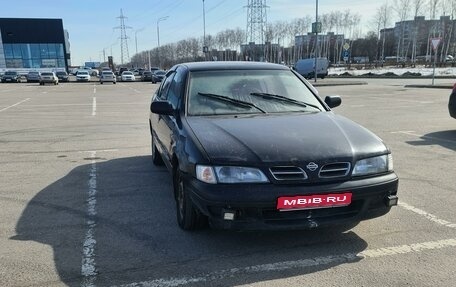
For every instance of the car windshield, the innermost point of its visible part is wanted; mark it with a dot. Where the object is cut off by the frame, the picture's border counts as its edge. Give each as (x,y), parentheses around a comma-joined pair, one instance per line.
(272,91)
(46,74)
(127,73)
(147,73)
(61,73)
(160,73)
(33,73)
(83,73)
(10,73)
(107,73)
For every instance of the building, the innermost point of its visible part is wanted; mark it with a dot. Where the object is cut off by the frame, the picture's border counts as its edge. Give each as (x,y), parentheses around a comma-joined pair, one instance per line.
(410,39)
(33,44)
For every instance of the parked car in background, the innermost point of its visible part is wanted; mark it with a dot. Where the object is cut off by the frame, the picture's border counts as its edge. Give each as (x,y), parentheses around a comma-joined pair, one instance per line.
(452,103)
(127,76)
(63,76)
(49,77)
(11,77)
(33,77)
(211,126)
(157,76)
(146,76)
(107,76)
(82,76)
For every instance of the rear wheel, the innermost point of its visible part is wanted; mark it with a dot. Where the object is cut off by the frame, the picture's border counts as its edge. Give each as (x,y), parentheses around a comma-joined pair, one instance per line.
(188,217)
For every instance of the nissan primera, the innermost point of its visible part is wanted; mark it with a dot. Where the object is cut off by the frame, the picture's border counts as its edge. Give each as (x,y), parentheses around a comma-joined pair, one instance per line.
(252,146)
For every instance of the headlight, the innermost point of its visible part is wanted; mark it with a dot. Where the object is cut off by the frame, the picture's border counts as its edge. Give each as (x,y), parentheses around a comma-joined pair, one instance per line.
(230,174)
(373,165)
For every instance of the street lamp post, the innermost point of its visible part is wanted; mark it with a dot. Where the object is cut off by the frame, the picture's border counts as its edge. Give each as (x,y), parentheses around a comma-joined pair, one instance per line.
(205,49)
(136,38)
(158,36)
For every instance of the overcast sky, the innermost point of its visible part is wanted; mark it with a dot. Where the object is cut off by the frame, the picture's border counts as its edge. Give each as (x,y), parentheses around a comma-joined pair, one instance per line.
(90,23)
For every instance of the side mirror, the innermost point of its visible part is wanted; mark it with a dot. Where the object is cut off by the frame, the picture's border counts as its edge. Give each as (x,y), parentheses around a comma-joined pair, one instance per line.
(162,108)
(333,101)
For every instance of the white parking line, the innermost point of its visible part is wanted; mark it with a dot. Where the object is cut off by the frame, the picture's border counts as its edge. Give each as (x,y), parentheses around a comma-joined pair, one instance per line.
(88,267)
(427,215)
(18,103)
(94,106)
(304,263)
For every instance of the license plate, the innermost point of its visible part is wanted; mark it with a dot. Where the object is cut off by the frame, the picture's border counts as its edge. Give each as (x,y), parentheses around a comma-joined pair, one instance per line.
(8,80)
(314,201)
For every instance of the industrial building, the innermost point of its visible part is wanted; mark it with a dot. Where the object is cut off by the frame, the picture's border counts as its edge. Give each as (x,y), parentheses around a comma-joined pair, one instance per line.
(33,44)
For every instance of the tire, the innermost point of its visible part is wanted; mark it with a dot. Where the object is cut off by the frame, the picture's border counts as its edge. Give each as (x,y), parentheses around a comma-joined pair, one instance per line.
(156,157)
(114,83)
(188,217)
(101,83)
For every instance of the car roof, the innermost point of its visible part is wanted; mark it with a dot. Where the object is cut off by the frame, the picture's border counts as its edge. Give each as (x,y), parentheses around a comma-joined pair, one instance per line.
(232,65)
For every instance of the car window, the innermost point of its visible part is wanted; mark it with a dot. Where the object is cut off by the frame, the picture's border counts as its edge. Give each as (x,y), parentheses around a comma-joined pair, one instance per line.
(241,85)
(175,88)
(164,87)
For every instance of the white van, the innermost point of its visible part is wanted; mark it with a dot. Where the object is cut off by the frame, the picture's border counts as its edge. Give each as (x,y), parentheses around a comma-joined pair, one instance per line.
(306,67)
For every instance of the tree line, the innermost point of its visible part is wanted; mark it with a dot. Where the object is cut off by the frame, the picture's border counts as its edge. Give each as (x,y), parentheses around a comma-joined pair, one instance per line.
(338,28)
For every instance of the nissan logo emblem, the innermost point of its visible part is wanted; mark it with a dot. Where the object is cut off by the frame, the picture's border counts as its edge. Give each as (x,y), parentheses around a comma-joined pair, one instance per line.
(312,166)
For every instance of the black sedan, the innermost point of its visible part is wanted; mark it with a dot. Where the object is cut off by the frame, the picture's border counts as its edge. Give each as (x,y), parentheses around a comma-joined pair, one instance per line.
(252,146)
(146,76)
(11,77)
(157,76)
(63,76)
(452,103)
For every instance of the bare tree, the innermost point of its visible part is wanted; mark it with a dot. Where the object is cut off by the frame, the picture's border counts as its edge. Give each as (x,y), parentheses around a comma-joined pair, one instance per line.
(402,8)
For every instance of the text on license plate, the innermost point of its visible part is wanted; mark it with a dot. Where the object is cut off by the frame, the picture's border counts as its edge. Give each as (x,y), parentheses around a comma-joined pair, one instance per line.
(314,201)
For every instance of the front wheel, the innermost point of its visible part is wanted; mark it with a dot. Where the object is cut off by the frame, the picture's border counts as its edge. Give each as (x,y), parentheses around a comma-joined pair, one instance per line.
(188,217)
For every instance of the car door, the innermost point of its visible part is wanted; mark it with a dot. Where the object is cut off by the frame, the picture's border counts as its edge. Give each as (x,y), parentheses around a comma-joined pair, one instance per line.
(163,124)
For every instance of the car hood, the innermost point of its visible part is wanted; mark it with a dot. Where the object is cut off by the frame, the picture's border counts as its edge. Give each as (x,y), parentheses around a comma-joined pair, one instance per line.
(319,137)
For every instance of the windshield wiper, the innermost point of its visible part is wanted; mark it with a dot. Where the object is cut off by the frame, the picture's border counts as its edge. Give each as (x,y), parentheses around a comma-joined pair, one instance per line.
(234,102)
(284,99)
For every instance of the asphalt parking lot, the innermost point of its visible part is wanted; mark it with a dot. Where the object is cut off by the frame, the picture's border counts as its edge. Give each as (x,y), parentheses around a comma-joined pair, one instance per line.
(82,205)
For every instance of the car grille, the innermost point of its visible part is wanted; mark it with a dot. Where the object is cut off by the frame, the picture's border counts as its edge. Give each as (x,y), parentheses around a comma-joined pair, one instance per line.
(332,170)
(288,173)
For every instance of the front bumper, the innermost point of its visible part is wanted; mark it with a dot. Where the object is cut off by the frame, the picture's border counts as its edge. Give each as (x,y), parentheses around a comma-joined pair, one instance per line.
(254,205)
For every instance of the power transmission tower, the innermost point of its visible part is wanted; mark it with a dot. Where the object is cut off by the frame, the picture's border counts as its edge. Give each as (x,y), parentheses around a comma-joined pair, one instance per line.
(256,21)
(124,57)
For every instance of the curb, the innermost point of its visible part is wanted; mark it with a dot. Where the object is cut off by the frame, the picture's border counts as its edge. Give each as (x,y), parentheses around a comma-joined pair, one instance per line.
(449,87)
